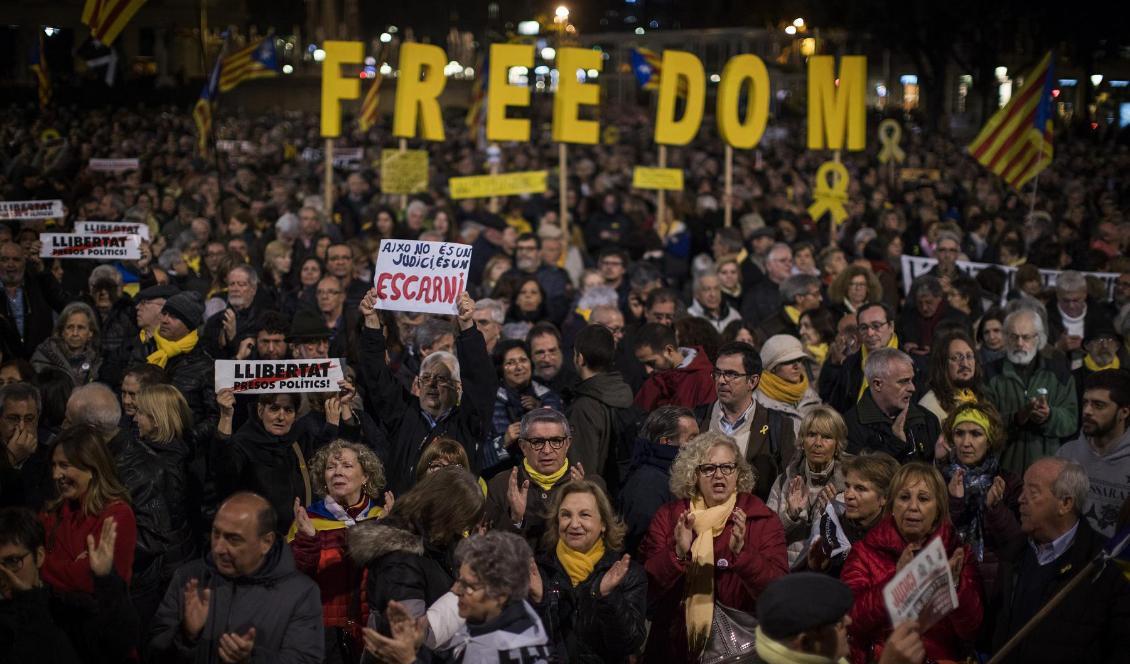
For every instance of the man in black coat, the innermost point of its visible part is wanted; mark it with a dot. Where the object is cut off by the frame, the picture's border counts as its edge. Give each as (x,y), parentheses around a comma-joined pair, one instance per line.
(178,350)
(886,419)
(33,299)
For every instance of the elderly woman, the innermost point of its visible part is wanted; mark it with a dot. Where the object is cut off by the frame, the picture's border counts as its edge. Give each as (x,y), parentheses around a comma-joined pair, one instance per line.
(811,480)
(73,346)
(349,477)
(518,393)
(590,594)
(917,511)
(990,336)
(955,375)
(715,527)
(784,383)
(853,287)
(867,478)
(984,499)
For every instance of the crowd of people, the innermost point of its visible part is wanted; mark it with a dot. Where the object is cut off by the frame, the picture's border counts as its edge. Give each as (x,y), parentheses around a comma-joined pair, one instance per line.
(640,439)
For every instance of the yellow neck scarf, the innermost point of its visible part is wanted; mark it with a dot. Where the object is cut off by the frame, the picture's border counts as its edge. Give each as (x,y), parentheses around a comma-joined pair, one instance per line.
(819,352)
(775,387)
(167,350)
(964,395)
(578,565)
(775,652)
(1091,365)
(546,482)
(893,343)
(700,574)
(193,263)
(793,313)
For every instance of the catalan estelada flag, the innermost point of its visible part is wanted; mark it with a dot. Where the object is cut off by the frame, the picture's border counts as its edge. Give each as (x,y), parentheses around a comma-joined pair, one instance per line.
(1016,143)
(38,64)
(107,18)
(646,65)
(259,60)
(202,112)
(476,112)
(369,104)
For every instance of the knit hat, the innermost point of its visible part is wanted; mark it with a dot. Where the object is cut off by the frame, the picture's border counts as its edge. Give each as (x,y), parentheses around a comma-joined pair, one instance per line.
(158,292)
(1102,328)
(796,603)
(188,306)
(781,348)
(307,325)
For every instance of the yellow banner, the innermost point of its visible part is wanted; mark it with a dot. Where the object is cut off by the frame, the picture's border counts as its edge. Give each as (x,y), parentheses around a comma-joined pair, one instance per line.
(503,184)
(404,172)
(670,179)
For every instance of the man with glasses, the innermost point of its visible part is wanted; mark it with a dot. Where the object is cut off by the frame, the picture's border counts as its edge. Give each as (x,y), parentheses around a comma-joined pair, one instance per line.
(613,265)
(842,382)
(1034,391)
(765,436)
(886,418)
(224,331)
(553,280)
(330,295)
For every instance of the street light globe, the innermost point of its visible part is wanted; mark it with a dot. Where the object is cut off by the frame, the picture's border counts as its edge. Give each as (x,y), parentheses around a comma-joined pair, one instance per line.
(548,53)
(287,69)
(790,29)
(798,22)
(1096,79)
(319,55)
(385,37)
(562,12)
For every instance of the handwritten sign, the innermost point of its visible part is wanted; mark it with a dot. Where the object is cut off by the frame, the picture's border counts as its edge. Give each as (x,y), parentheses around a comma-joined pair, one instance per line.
(112,228)
(423,277)
(114,165)
(916,266)
(10,210)
(670,179)
(404,172)
(923,590)
(503,184)
(278,377)
(77,245)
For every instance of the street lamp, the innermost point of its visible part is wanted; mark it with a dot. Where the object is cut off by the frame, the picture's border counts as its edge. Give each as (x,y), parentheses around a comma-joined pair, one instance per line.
(799,22)
(562,13)
(790,29)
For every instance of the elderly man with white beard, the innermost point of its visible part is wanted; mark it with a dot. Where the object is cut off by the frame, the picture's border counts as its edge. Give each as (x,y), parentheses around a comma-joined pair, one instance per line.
(1033,388)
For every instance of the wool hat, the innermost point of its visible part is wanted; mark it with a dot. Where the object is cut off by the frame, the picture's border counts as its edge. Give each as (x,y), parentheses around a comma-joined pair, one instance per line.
(796,603)
(158,292)
(1100,329)
(188,306)
(307,325)
(781,348)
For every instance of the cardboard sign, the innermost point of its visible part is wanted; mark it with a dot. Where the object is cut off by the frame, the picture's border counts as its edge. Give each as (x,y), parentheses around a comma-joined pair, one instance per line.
(112,228)
(343,157)
(670,179)
(404,172)
(916,266)
(923,590)
(422,277)
(503,184)
(77,245)
(931,174)
(279,376)
(10,210)
(113,165)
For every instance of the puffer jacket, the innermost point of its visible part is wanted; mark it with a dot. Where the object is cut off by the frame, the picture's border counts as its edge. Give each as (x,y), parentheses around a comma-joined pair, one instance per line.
(116,330)
(52,354)
(871,565)
(582,625)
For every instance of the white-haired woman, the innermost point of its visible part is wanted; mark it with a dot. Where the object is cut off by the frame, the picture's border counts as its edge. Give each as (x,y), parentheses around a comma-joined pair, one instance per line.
(716,526)
(72,346)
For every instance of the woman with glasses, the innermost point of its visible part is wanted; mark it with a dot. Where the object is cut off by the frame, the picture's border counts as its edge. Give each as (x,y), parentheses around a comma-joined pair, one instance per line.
(715,527)
(518,393)
(591,596)
(954,375)
(854,287)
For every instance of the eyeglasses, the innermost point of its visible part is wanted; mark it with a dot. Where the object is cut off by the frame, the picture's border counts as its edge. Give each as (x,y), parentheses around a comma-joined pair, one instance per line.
(429,379)
(557,442)
(461,587)
(862,328)
(515,363)
(728,376)
(15,563)
(1026,338)
(958,358)
(711,469)
(436,465)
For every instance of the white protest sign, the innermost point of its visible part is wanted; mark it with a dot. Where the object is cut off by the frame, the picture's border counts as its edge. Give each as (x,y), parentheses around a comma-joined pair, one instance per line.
(279,376)
(112,228)
(114,165)
(916,266)
(76,245)
(923,590)
(422,277)
(10,210)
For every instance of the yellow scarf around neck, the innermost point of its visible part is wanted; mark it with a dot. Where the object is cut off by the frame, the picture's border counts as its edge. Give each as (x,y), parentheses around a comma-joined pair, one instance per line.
(893,343)
(546,482)
(1091,365)
(700,574)
(167,350)
(819,352)
(578,565)
(964,395)
(793,313)
(775,387)
(775,652)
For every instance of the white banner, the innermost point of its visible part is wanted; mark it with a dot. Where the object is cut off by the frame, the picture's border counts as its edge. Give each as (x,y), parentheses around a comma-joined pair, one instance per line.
(278,377)
(343,157)
(916,266)
(112,228)
(114,165)
(923,590)
(422,277)
(76,245)
(10,210)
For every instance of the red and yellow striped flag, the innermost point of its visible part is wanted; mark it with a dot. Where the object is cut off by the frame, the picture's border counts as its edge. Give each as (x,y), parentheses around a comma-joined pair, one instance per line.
(369,105)
(256,61)
(42,75)
(1016,143)
(107,18)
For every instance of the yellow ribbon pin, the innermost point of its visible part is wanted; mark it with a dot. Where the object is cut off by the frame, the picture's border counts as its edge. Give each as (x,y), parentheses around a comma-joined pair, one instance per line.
(764,429)
(830,196)
(890,133)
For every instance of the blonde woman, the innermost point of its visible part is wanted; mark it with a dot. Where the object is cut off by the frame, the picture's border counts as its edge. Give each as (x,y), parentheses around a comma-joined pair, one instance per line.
(715,526)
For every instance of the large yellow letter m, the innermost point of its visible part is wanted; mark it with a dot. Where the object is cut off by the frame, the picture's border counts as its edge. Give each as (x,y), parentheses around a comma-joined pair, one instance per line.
(835,109)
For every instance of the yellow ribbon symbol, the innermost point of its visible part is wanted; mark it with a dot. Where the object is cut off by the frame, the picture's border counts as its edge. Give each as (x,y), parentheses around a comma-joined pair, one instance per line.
(890,133)
(830,196)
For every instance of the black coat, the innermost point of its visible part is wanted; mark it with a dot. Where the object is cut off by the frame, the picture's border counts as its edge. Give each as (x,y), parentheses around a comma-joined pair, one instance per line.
(43,297)
(839,383)
(143,475)
(870,429)
(646,489)
(117,330)
(582,625)
(761,301)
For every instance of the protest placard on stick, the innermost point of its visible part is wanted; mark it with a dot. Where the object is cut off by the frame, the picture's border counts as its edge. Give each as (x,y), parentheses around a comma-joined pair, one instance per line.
(279,376)
(12,210)
(112,228)
(422,277)
(77,245)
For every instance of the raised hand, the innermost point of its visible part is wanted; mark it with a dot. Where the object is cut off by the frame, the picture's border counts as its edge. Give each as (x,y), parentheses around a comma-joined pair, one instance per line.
(196,603)
(615,575)
(904,646)
(529,402)
(225,398)
(235,648)
(390,500)
(101,557)
(513,432)
(737,532)
(21,445)
(908,554)
(407,635)
(369,311)
(536,588)
(332,407)
(995,494)
(576,472)
(797,498)
(516,497)
(302,520)
(245,348)
(227,332)
(898,427)
(466,311)
(684,534)
(957,484)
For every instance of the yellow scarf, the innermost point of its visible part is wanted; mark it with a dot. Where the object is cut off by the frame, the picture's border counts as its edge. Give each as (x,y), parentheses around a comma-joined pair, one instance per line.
(775,652)
(193,264)
(578,565)
(546,482)
(819,352)
(167,350)
(964,395)
(1091,365)
(584,313)
(793,313)
(700,574)
(893,343)
(775,387)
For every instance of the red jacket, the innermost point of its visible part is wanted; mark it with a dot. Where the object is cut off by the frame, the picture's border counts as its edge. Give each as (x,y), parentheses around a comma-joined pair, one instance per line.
(737,583)
(688,386)
(871,564)
(66,568)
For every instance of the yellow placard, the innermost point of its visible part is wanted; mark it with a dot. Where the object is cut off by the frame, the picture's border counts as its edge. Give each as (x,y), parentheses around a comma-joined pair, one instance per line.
(931,174)
(404,172)
(503,184)
(670,179)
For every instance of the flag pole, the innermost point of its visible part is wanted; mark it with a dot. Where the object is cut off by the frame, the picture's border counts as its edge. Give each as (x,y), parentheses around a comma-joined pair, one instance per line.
(328,205)
(728,186)
(403,197)
(661,208)
(1036,182)
(563,204)
(831,219)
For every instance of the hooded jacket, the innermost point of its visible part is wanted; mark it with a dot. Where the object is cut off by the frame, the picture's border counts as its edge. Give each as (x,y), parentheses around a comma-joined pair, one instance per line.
(515,635)
(594,419)
(689,386)
(646,489)
(281,603)
(1109,473)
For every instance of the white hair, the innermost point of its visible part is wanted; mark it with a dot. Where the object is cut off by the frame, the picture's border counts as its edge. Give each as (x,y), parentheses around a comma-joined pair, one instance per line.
(879,362)
(1041,330)
(597,296)
(1070,281)
(1072,482)
(495,308)
(104,272)
(96,405)
(287,225)
(446,359)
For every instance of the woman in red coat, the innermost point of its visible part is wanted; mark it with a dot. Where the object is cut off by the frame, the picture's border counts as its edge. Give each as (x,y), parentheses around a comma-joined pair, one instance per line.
(89,493)
(715,526)
(917,511)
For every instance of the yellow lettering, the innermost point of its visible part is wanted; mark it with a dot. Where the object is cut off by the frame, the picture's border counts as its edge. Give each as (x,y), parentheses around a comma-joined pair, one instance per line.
(417,100)
(682,72)
(835,110)
(334,87)
(502,95)
(572,94)
(739,133)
